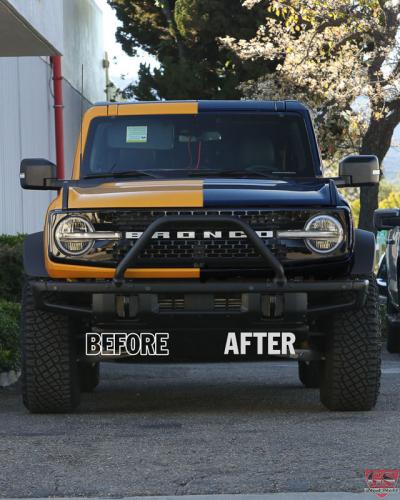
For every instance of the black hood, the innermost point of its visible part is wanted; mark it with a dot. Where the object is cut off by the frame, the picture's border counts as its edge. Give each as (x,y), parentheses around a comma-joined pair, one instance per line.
(263,192)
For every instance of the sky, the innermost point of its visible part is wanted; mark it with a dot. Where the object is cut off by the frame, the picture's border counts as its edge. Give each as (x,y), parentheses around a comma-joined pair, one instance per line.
(123,69)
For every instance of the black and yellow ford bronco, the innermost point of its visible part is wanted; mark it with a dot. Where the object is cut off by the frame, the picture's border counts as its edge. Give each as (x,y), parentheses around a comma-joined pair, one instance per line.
(197,218)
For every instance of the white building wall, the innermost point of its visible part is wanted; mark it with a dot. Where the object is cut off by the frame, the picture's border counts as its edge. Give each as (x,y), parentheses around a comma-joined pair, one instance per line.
(36,134)
(27,131)
(25,126)
(10,207)
(27,113)
(83,44)
(46,17)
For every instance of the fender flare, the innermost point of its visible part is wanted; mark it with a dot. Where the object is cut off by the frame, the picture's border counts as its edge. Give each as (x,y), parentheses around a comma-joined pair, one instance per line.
(364,253)
(33,256)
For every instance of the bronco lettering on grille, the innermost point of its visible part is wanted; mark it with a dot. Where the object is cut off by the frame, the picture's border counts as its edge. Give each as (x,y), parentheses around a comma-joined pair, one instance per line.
(191,235)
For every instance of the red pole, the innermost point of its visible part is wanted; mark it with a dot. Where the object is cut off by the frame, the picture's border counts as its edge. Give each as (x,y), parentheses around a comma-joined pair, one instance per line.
(58,115)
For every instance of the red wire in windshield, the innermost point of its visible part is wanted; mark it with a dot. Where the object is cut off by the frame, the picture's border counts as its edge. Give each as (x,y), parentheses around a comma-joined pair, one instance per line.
(198,156)
(190,152)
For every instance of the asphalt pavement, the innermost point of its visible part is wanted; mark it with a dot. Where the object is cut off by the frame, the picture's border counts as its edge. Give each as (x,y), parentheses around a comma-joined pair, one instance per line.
(197,429)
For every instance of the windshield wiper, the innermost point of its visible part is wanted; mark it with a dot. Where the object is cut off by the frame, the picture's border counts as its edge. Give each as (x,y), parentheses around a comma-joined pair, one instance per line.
(238,173)
(192,173)
(129,173)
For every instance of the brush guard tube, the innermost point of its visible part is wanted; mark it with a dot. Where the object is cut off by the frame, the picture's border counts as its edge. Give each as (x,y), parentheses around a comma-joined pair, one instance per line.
(132,256)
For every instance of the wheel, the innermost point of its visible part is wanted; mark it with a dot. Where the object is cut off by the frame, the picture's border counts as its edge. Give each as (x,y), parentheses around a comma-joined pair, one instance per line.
(351,375)
(392,330)
(89,376)
(310,373)
(49,367)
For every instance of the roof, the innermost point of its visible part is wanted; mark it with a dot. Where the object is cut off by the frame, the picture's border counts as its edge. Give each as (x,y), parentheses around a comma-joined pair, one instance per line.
(219,105)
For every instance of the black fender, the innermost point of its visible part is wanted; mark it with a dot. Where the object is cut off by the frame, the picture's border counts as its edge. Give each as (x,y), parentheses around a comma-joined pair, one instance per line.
(33,256)
(364,253)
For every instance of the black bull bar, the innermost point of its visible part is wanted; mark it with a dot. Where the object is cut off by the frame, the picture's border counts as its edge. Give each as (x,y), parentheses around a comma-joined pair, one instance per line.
(132,256)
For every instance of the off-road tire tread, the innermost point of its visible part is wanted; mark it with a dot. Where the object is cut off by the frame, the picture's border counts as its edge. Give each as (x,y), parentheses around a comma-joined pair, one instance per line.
(351,377)
(49,367)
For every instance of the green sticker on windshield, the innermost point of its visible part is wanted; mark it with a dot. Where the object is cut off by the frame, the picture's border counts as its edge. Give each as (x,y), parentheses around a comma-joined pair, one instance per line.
(136,133)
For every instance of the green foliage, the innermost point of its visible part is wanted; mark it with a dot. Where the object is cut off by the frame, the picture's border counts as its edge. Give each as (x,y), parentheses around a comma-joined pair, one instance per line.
(12,240)
(183,35)
(9,335)
(389,197)
(11,269)
(11,275)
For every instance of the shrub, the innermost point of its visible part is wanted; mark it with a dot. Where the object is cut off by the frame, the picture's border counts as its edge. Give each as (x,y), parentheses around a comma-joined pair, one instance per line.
(11,269)
(9,335)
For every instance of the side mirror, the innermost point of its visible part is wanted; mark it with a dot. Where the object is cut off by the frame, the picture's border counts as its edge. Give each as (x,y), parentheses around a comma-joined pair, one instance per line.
(359,170)
(36,173)
(386,218)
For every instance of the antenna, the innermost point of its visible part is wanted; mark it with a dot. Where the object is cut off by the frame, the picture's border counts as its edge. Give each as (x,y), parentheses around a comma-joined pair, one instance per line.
(81,139)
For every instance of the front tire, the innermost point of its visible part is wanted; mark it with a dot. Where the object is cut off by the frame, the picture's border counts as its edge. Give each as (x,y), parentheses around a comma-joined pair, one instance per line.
(49,367)
(351,375)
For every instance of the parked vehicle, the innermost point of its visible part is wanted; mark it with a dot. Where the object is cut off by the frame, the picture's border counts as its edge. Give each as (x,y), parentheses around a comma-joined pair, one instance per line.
(388,273)
(193,217)
(381,278)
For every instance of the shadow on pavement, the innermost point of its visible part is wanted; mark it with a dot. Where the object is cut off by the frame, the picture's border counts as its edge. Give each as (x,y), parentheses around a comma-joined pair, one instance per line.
(201,388)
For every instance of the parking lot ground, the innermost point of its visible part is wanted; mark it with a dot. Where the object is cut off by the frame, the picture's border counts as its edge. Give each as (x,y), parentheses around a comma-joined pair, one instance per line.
(197,429)
(268,496)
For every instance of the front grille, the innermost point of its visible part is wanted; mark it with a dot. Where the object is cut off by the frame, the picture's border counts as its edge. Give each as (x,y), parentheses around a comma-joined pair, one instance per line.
(199,251)
(125,220)
(178,249)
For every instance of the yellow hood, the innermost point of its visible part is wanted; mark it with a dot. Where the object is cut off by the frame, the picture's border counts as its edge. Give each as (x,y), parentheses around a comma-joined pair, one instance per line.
(137,194)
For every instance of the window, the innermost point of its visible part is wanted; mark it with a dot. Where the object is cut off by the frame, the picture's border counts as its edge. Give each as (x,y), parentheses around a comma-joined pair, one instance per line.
(270,143)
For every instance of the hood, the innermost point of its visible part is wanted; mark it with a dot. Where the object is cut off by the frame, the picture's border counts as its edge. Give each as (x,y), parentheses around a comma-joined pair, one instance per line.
(202,193)
(262,192)
(138,194)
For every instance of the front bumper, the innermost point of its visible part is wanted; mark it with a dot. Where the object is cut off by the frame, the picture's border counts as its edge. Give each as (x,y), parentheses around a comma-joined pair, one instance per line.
(200,303)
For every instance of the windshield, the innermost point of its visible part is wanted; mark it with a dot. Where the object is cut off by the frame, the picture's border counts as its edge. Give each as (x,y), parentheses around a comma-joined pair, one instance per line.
(183,145)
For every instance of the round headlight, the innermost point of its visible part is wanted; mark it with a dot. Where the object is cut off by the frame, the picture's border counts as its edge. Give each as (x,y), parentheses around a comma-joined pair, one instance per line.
(331,234)
(70,235)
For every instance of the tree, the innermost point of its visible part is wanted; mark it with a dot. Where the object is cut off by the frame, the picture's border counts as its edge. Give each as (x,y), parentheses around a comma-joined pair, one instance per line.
(341,58)
(182,35)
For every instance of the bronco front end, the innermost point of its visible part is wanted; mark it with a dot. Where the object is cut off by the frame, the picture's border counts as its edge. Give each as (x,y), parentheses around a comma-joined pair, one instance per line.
(199,219)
